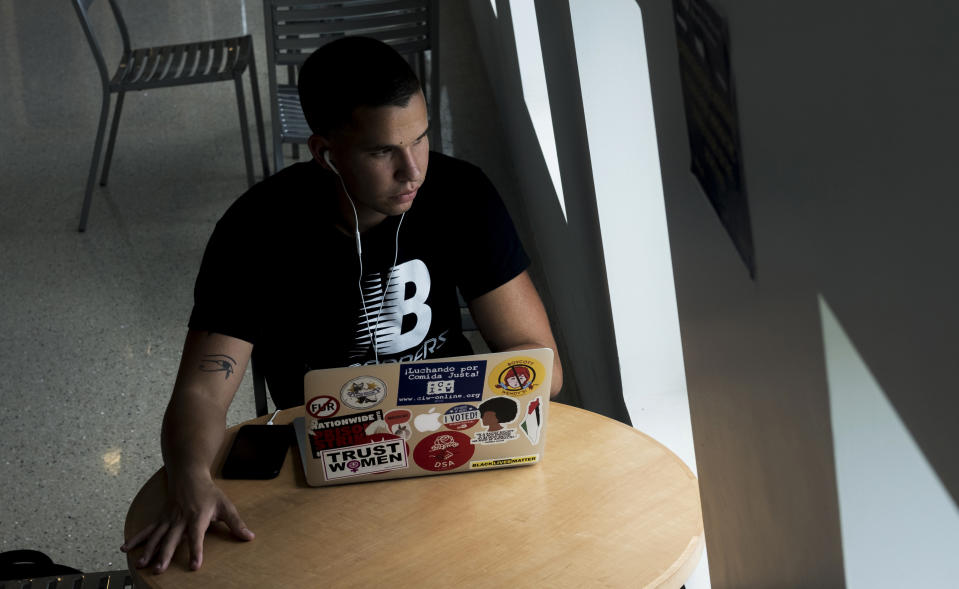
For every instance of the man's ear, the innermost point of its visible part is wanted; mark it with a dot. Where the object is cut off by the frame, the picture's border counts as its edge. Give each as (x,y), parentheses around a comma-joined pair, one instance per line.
(318,144)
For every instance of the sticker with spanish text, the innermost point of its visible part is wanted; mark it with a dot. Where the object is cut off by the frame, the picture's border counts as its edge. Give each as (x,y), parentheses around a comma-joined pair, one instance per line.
(428,383)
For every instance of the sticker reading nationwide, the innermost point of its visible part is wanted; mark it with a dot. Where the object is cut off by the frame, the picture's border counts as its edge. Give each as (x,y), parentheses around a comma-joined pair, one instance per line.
(346,430)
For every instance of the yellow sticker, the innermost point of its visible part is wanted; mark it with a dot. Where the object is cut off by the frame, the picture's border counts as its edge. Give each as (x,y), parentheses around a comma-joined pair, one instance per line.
(517,376)
(503,462)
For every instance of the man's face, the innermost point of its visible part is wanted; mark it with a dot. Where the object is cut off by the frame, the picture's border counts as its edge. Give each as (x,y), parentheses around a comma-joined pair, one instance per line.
(382,156)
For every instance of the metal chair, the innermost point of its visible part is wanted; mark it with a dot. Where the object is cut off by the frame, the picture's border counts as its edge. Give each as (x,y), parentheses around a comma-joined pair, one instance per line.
(295,28)
(170,65)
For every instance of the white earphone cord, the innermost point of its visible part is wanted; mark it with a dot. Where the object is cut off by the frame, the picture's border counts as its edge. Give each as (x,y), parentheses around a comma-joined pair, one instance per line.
(359,282)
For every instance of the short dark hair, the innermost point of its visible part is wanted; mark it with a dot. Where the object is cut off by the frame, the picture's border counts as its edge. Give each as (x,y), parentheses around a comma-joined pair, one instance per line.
(348,73)
(504,408)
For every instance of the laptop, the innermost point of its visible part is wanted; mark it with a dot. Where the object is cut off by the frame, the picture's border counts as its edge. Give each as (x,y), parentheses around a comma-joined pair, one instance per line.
(427,417)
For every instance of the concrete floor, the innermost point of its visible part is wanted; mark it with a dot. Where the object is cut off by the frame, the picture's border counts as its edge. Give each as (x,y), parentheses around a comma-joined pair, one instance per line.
(91,324)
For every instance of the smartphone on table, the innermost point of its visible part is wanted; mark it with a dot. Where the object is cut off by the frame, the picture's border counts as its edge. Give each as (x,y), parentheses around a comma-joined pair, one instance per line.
(258,452)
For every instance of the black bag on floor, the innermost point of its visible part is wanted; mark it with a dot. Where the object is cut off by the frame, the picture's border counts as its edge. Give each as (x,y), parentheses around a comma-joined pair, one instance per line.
(30,564)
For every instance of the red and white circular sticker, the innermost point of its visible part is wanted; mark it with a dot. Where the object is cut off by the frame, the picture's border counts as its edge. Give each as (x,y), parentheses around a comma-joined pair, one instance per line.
(323,406)
(443,451)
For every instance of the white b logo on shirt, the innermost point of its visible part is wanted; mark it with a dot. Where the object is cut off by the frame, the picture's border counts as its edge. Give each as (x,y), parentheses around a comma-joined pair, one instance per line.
(392,308)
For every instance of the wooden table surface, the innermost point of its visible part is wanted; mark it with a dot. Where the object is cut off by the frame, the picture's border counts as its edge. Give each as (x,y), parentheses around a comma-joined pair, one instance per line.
(608,507)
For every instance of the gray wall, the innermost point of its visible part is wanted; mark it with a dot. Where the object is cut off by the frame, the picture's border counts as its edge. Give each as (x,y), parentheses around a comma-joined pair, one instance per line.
(848,124)
(821,389)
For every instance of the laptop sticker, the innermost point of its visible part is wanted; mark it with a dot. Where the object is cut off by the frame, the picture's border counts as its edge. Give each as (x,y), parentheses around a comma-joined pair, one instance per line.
(337,432)
(478,464)
(378,456)
(495,413)
(363,392)
(377,427)
(443,451)
(398,421)
(427,422)
(430,383)
(323,406)
(516,376)
(533,422)
(461,417)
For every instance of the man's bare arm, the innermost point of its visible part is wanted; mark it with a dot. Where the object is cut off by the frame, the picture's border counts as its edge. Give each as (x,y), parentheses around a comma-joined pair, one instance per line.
(211,368)
(512,317)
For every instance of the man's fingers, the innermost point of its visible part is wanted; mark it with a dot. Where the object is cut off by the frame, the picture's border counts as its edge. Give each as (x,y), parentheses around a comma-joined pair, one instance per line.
(138,537)
(195,533)
(158,531)
(168,547)
(231,518)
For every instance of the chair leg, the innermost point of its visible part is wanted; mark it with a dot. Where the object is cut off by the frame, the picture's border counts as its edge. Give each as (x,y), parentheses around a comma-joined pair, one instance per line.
(241,105)
(95,163)
(113,138)
(258,113)
(277,149)
(277,137)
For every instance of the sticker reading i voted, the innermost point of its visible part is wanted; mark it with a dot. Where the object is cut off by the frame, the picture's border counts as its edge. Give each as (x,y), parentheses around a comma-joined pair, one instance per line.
(460,417)
(443,451)
(441,382)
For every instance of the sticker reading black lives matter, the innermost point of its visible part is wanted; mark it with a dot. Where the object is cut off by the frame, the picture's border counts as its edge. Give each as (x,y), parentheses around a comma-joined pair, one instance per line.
(337,432)
(441,382)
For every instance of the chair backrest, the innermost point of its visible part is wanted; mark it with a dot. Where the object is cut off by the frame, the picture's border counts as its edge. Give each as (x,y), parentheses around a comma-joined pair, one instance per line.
(82,7)
(296,28)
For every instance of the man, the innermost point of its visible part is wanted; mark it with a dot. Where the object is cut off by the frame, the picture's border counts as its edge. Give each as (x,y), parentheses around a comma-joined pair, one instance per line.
(351,258)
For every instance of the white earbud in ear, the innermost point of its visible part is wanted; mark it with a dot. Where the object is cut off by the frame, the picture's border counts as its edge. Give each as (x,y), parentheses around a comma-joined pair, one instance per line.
(359,244)
(329,162)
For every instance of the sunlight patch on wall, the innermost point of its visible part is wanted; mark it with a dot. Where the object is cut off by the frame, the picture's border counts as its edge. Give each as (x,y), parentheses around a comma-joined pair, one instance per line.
(900,527)
(533,75)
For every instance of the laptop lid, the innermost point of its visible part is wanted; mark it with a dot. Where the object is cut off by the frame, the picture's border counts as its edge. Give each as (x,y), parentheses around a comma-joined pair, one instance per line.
(398,420)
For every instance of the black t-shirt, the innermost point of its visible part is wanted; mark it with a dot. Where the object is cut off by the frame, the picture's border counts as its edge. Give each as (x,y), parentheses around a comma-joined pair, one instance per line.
(279,274)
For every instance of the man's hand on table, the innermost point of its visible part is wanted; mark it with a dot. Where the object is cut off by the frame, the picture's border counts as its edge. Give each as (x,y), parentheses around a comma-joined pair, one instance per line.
(193,505)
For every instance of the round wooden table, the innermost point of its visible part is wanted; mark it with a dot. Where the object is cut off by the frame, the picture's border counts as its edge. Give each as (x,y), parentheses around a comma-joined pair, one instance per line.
(608,507)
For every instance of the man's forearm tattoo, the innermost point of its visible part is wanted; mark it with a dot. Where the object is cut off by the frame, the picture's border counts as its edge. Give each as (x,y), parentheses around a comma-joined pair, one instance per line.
(218,363)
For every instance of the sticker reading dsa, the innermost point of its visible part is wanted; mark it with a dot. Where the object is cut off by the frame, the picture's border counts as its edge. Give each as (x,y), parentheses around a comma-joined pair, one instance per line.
(443,451)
